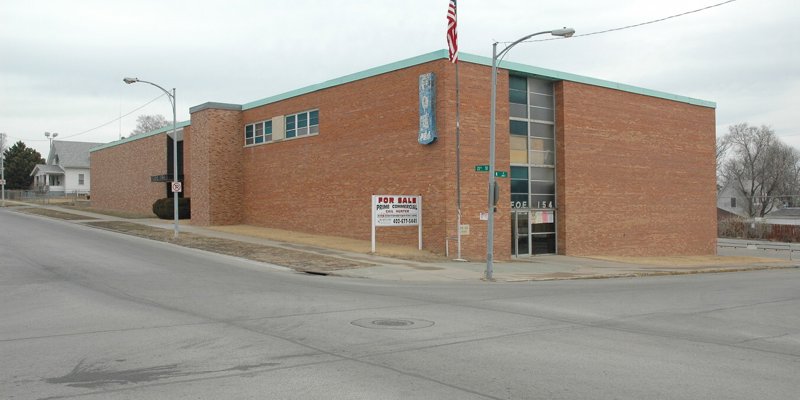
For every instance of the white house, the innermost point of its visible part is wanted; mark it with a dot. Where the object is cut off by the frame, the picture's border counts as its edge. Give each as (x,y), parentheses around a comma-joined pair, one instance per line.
(67,170)
(731,199)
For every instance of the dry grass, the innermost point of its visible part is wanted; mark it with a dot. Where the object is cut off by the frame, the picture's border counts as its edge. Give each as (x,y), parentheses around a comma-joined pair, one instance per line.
(298,260)
(332,242)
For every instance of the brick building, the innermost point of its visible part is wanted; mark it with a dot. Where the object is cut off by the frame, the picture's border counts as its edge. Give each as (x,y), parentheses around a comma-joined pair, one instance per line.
(594,167)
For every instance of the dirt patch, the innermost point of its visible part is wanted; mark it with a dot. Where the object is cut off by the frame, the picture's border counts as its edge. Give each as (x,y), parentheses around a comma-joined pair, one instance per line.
(54,214)
(297,260)
(690,261)
(333,242)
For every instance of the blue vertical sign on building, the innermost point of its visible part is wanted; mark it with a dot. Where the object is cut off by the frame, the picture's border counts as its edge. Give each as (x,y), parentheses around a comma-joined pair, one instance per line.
(427,108)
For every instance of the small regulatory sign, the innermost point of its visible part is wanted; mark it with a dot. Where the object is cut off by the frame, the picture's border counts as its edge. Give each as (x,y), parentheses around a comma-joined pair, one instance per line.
(177,187)
(2,181)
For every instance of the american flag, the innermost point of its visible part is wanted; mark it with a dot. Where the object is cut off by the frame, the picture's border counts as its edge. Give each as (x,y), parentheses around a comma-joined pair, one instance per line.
(452,35)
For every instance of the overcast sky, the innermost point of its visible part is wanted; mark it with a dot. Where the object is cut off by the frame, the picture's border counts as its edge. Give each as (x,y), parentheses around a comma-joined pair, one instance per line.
(62,62)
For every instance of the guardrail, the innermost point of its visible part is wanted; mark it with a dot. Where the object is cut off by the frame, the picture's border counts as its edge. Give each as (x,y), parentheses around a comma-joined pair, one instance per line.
(791,248)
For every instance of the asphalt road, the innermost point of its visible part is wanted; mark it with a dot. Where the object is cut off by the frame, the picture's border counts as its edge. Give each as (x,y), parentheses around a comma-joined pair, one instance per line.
(90,314)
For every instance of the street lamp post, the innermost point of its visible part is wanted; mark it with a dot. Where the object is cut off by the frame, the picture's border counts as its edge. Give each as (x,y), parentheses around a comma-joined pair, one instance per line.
(3,167)
(46,184)
(171,97)
(565,32)
(51,137)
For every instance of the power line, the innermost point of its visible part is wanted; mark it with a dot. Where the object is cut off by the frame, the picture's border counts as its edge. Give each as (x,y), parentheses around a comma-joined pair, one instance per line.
(636,25)
(97,127)
(118,118)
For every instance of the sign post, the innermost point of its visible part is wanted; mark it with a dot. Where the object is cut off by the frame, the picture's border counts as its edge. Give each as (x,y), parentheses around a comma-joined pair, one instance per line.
(397,210)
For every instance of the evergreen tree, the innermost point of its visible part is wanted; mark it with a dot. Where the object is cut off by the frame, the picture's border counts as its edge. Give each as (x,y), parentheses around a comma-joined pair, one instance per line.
(19,163)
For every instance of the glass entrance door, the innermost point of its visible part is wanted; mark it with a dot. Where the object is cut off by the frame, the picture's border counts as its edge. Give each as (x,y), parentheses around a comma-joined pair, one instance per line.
(520,233)
(543,232)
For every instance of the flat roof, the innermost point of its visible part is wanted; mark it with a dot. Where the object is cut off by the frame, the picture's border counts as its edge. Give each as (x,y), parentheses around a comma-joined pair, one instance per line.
(179,127)
(525,69)
(471,58)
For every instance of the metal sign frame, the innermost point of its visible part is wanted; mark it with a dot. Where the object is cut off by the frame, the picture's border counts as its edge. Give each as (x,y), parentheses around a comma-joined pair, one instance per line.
(396,210)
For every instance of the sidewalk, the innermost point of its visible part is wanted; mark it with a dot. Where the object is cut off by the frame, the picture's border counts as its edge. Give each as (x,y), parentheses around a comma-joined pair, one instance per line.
(419,267)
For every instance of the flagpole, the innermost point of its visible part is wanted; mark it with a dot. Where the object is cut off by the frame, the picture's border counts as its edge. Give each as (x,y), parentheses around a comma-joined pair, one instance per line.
(458,166)
(452,46)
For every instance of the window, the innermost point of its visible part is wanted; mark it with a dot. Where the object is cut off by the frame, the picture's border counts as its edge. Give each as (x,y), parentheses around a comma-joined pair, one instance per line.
(258,132)
(248,135)
(733,202)
(80,179)
(302,124)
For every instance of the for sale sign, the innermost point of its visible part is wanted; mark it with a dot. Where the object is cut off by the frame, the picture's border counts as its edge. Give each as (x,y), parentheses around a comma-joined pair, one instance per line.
(396,210)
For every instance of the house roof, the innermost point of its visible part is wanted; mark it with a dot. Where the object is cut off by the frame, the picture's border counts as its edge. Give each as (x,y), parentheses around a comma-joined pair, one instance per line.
(46,169)
(70,154)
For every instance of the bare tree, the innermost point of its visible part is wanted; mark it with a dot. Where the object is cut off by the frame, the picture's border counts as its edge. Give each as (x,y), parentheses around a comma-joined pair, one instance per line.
(722,150)
(762,169)
(149,123)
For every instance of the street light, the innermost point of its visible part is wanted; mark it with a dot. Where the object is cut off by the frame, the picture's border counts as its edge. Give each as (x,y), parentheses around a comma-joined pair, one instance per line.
(51,136)
(171,97)
(3,168)
(564,32)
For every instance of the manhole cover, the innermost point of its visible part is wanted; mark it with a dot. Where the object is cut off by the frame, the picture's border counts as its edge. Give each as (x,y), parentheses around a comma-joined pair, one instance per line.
(391,323)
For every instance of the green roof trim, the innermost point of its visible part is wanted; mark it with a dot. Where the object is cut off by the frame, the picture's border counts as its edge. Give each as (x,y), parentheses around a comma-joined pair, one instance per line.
(128,139)
(410,62)
(565,76)
(471,58)
(433,56)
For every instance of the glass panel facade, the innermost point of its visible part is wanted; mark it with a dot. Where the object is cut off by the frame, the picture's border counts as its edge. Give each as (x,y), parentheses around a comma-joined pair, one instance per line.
(541,114)
(538,100)
(518,110)
(542,130)
(519,149)
(532,181)
(518,127)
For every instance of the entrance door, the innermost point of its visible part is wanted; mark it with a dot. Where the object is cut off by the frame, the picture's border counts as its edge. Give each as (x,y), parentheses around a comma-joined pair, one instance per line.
(520,233)
(543,231)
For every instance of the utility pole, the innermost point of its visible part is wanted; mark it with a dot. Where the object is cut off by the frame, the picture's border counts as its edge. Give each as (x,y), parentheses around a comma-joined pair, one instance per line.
(3,167)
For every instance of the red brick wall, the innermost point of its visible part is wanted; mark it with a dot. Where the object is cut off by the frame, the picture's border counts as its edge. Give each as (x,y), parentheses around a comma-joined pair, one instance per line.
(121,175)
(216,162)
(187,161)
(635,174)
(368,145)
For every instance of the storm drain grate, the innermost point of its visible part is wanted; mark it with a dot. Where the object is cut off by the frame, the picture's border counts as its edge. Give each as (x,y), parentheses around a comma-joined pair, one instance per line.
(391,323)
